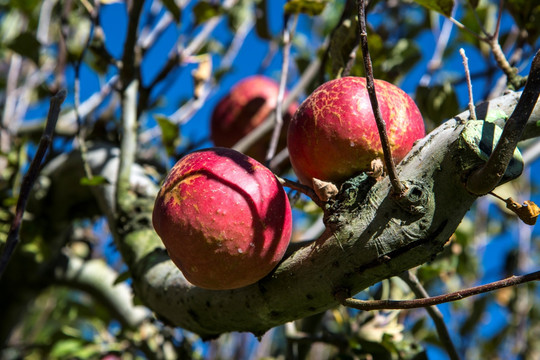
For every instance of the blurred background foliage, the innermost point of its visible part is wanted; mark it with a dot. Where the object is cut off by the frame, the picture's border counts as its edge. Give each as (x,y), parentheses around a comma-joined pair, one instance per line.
(80,45)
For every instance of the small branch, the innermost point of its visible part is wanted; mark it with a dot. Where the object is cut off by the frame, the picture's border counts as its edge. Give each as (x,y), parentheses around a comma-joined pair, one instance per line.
(306,190)
(488,176)
(287,36)
(472,111)
(435,314)
(397,186)
(30,177)
(128,143)
(343,297)
(513,78)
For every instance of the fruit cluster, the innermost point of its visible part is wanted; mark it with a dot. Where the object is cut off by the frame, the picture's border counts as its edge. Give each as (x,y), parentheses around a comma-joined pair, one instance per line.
(224,217)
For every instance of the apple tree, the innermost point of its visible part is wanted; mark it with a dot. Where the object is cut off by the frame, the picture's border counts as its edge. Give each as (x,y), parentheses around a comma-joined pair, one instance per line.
(430,256)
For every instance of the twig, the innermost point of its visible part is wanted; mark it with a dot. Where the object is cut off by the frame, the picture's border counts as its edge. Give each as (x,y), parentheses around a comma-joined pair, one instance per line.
(472,111)
(397,186)
(306,190)
(488,176)
(128,146)
(287,36)
(30,178)
(493,41)
(435,314)
(344,298)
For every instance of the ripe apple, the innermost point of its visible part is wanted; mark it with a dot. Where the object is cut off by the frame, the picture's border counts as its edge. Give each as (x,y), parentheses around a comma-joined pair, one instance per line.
(244,108)
(223,217)
(333,134)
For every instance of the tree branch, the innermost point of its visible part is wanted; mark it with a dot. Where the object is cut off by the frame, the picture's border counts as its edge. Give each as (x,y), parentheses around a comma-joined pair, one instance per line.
(397,186)
(98,280)
(370,237)
(489,175)
(278,125)
(369,305)
(434,313)
(30,177)
(131,55)
(128,144)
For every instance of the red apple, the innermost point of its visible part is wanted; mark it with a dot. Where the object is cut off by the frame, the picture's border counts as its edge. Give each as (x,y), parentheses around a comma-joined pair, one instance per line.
(223,217)
(333,134)
(244,108)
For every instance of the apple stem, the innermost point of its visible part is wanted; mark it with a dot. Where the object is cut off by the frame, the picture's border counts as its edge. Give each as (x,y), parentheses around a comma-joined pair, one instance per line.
(486,178)
(30,178)
(278,124)
(472,111)
(397,186)
(306,190)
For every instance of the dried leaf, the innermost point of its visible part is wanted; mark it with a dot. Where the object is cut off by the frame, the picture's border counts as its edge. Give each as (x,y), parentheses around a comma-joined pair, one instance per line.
(324,190)
(528,212)
(377,169)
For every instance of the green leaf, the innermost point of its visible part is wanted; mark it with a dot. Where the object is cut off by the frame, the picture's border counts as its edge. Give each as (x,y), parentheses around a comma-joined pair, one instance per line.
(474,3)
(441,6)
(94,181)
(342,43)
(310,7)
(240,13)
(170,133)
(26,6)
(437,103)
(526,13)
(122,277)
(204,11)
(261,20)
(26,45)
(173,9)
(66,347)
